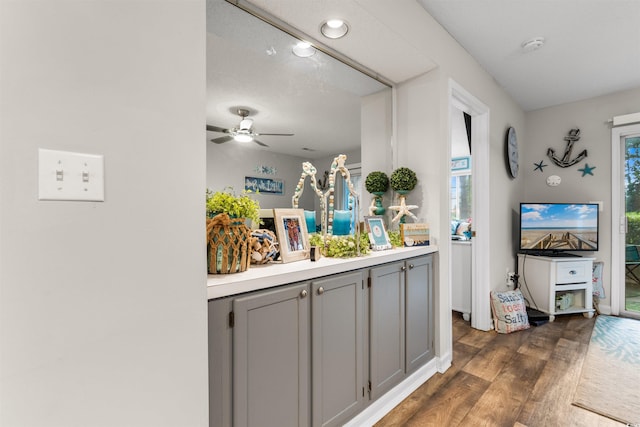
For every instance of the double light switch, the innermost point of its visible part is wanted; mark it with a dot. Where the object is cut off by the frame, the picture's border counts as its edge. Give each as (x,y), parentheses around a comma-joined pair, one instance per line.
(65,175)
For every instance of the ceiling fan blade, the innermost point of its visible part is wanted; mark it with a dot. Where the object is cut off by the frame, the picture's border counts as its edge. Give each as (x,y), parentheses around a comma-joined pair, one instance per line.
(222,139)
(217,129)
(276,134)
(260,143)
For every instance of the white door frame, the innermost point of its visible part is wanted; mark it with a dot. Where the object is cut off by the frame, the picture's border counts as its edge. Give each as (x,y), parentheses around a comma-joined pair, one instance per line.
(480,249)
(618,219)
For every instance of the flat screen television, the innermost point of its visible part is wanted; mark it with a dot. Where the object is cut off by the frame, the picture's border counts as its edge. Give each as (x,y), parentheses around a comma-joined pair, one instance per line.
(558,228)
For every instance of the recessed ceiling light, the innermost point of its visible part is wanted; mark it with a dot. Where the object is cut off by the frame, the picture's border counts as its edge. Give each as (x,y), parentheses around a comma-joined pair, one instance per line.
(304,50)
(533,44)
(334,28)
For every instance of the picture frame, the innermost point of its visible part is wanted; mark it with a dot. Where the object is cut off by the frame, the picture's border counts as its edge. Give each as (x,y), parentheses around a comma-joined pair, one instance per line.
(378,236)
(414,234)
(273,186)
(293,238)
(461,165)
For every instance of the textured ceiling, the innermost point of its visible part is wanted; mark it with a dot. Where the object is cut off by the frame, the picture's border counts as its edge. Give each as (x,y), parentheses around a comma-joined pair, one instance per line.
(592,46)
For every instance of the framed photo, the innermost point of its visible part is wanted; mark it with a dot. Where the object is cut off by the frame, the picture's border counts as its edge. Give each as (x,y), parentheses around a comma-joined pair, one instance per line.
(264,185)
(414,234)
(378,237)
(461,165)
(291,229)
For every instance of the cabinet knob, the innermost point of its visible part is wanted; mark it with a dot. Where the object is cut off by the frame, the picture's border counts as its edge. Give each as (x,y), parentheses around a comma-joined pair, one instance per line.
(403,268)
(303,293)
(573,272)
(411,266)
(320,290)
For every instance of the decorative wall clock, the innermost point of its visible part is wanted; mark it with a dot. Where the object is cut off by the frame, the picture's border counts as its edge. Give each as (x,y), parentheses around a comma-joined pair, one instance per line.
(511,144)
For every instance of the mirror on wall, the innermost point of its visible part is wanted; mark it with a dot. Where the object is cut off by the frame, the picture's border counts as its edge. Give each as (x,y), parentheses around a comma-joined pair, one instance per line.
(296,107)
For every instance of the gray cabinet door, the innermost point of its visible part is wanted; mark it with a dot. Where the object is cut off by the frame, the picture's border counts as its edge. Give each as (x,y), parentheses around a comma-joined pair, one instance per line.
(386,323)
(271,358)
(419,315)
(337,349)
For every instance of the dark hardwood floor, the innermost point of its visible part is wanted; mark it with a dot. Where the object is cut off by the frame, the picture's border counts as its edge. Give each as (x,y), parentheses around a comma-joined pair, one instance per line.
(526,378)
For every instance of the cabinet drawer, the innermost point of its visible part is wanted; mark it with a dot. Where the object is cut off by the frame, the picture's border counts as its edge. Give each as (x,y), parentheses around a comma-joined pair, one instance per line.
(573,272)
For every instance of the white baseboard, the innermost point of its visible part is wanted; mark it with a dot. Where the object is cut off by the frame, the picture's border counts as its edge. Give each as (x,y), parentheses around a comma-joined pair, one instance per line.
(385,403)
(444,362)
(604,309)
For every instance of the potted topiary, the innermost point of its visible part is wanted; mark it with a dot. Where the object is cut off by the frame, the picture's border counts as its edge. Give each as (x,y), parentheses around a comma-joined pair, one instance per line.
(377,183)
(403,180)
(228,237)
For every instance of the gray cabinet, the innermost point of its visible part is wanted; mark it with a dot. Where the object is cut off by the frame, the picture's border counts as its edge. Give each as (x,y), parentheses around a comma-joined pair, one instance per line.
(419,313)
(386,323)
(401,321)
(308,353)
(271,358)
(337,344)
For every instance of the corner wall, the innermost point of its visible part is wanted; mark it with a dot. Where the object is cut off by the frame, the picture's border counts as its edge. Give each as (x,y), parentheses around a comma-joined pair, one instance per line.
(546,128)
(103,305)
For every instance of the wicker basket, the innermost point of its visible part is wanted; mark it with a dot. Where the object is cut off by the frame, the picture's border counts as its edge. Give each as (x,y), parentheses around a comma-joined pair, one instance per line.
(228,245)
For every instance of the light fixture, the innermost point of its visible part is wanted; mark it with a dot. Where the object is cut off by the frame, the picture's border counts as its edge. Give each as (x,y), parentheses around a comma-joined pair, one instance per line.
(243,136)
(533,44)
(245,124)
(334,28)
(303,49)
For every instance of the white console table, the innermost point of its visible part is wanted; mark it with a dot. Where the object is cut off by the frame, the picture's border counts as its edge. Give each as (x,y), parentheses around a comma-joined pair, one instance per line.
(557,285)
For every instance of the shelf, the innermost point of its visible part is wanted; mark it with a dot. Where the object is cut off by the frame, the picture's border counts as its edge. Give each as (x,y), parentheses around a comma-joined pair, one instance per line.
(570,287)
(572,309)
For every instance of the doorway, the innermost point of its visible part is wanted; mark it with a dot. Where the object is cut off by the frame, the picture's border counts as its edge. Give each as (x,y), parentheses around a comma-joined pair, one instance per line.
(464,101)
(625,289)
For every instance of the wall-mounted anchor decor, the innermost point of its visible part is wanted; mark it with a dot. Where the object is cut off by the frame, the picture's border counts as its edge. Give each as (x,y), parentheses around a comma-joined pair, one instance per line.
(566,161)
(540,166)
(587,170)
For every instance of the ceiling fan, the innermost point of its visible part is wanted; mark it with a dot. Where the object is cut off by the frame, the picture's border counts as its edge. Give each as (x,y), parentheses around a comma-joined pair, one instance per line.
(243,132)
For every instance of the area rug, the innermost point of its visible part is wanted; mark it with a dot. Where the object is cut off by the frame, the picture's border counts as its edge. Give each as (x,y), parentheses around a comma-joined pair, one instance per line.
(610,380)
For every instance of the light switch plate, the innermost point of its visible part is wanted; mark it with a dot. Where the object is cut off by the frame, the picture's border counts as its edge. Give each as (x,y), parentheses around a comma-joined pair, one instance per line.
(64,175)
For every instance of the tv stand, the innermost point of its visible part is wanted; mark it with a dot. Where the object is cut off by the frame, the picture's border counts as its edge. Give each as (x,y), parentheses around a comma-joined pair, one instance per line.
(552,254)
(557,285)
(562,255)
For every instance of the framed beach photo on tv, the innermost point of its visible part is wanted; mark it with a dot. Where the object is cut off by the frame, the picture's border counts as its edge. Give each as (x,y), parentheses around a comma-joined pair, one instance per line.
(378,237)
(291,229)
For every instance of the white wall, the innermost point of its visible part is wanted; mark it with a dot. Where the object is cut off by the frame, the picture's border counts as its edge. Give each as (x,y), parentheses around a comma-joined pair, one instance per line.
(546,128)
(423,145)
(103,305)
(377,149)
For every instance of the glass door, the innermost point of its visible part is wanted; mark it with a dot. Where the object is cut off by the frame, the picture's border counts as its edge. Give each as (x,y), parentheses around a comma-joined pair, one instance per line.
(630,290)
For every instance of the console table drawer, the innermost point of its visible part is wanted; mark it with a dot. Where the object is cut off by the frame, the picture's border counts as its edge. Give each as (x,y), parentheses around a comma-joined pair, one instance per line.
(573,272)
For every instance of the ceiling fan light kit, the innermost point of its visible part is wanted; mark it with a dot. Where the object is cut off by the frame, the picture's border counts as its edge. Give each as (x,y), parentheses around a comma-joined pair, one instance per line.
(243,137)
(334,28)
(243,132)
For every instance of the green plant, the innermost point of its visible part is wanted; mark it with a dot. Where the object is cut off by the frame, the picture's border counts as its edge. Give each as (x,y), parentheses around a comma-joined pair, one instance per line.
(633,228)
(341,246)
(228,202)
(394,238)
(377,182)
(403,179)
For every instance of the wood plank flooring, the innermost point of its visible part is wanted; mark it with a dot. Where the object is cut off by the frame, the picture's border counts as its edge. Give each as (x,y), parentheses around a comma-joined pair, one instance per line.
(523,379)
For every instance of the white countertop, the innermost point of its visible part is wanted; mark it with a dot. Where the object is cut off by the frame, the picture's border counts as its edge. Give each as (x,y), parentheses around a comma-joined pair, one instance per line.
(274,274)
